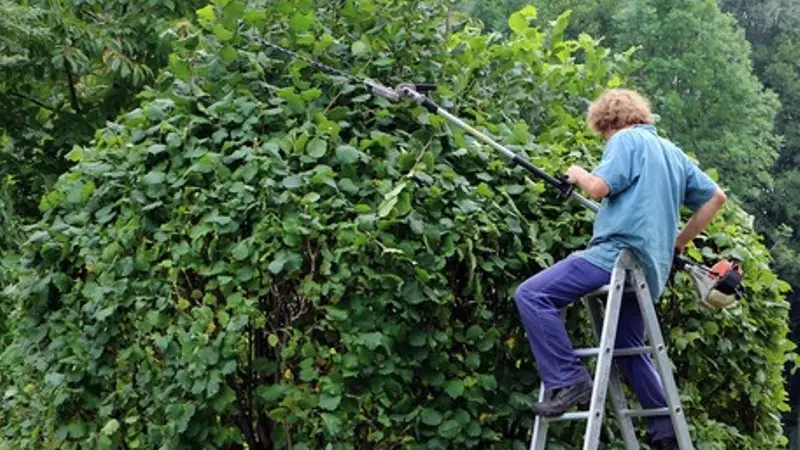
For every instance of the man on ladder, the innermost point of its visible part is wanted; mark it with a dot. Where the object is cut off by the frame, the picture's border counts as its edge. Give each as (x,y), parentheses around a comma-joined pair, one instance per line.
(643,180)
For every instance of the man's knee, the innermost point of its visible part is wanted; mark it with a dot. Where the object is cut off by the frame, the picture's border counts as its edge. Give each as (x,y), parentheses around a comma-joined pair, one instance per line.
(520,295)
(528,294)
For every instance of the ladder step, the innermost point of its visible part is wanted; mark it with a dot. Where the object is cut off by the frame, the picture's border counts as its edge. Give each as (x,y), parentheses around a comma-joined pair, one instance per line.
(645,412)
(577,415)
(584,352)
(602,292)
(584,415)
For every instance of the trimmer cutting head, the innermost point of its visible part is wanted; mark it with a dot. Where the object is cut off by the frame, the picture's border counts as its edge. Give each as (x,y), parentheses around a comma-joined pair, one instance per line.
(718,287)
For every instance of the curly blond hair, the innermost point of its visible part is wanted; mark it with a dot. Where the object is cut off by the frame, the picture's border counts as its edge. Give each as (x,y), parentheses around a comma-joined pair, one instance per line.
(618,108)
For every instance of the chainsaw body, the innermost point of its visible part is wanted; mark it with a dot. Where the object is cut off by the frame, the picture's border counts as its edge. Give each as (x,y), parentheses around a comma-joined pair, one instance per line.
(717,288)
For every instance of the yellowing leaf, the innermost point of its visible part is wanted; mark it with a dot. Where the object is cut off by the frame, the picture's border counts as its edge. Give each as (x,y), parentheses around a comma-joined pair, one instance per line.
(206,15)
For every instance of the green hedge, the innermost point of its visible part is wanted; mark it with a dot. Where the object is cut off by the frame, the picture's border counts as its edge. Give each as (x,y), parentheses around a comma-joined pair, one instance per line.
(263,255)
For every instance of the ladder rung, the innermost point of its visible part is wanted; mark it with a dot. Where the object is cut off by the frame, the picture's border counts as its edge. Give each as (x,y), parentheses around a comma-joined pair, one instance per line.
(584,415)
(584,352)
(577,415)
(645,412)
(603,291)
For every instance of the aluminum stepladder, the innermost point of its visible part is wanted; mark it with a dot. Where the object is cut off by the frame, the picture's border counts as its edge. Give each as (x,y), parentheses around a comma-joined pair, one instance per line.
(626,274)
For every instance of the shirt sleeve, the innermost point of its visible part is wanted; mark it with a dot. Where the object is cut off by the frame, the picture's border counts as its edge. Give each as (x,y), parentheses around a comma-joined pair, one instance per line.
(699,187)
(619,166)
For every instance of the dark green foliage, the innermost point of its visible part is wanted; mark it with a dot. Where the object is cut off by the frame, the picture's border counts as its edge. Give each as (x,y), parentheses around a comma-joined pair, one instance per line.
(263,255)
(66,67)
(772,28)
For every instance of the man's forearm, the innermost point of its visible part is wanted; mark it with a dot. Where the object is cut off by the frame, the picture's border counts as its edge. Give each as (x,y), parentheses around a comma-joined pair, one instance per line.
(700,219)
(592,185)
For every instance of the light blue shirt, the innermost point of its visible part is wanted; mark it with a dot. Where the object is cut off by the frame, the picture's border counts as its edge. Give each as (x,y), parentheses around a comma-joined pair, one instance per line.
(649,178)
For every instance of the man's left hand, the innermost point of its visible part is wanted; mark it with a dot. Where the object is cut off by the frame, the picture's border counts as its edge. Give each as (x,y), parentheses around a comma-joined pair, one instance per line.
(575,173)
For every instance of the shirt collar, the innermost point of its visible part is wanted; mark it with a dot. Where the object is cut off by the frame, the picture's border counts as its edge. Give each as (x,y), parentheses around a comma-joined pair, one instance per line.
(647,127)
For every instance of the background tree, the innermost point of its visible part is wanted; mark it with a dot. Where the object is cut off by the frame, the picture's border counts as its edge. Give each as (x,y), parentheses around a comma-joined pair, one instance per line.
(772,28)
(66,67)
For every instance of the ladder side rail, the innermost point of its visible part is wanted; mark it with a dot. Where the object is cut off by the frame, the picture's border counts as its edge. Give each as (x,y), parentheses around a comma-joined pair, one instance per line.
(617,393)
(541,424)
(603,369)
(663,365)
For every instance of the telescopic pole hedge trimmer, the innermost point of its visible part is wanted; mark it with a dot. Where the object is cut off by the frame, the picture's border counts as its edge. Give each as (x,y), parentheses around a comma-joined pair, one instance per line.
(717,287)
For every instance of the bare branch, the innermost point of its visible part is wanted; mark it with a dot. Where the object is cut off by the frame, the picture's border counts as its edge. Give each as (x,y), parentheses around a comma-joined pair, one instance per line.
(72,93)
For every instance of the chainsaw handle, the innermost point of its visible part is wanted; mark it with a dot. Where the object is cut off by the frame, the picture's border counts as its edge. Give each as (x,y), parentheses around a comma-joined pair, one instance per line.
(680,262)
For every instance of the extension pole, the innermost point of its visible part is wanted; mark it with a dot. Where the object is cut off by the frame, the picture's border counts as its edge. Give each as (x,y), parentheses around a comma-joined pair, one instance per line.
(413,90)
(564,188)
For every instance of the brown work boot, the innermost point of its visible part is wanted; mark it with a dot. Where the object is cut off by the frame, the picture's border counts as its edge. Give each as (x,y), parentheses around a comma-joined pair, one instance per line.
(567,397)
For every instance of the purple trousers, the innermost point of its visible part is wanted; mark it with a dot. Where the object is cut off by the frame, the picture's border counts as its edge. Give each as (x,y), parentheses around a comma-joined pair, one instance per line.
(539,300)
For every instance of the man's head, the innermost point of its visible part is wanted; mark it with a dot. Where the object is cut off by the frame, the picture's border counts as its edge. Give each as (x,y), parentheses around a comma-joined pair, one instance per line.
(617,109)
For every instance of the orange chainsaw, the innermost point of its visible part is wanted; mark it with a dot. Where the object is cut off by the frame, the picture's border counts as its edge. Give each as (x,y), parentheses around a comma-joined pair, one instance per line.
(718,287)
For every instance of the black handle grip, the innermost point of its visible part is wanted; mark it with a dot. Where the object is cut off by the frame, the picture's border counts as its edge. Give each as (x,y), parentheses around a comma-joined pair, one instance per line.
(679,262)
(424,87)
(564,188)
